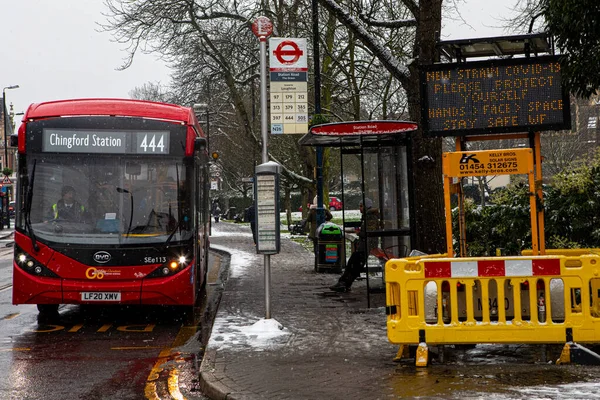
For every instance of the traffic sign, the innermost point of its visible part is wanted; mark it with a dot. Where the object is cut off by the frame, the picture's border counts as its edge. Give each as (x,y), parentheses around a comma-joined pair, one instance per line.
(287,54)
(6,180)
(262,27)
(289,87)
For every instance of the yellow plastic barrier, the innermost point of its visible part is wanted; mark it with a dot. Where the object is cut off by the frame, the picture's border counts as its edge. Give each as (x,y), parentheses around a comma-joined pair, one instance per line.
(534,299)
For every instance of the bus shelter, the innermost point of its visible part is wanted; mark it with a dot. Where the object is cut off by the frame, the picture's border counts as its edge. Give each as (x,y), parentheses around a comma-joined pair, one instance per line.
(383,150)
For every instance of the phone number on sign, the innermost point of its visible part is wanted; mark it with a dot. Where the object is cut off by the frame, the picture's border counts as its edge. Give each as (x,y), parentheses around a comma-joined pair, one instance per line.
(491,165)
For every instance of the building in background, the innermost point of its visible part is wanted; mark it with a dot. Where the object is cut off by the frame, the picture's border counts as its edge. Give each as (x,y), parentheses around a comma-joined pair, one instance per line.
(7,130)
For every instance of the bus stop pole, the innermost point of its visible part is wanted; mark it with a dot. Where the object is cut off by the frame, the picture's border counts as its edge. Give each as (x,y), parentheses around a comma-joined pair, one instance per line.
(320,218)
(265,156)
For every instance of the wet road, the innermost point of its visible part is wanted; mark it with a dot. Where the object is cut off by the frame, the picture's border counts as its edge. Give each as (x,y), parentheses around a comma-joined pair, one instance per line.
(499,372)
(96,352)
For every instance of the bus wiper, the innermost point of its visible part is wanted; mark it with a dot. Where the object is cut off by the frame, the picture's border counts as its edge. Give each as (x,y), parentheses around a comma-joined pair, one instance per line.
(28,203)
(172,234)
(121,190)
(178,226)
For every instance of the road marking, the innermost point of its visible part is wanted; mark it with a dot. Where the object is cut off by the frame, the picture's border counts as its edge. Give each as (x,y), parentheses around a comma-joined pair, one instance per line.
(150,391)
(11,316)
(130,328)
(75,328)
(173,385)
(184,334)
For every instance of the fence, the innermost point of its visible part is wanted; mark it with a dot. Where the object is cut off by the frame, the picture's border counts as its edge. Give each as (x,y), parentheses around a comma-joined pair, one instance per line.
(533,299)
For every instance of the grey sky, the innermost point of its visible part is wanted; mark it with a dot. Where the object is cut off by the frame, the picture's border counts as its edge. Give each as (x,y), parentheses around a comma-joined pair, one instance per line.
(53,50)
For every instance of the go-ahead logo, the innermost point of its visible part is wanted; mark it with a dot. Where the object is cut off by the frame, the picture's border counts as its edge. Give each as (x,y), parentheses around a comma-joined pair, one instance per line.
(102,257)
(93,273)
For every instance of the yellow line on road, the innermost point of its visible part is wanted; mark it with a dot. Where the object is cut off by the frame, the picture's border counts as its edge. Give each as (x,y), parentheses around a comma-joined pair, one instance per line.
(11,316)
(173,384)
(184,334)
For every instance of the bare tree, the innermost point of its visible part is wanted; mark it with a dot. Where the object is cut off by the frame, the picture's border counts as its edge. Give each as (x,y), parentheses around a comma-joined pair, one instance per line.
(423,25)
(371,53)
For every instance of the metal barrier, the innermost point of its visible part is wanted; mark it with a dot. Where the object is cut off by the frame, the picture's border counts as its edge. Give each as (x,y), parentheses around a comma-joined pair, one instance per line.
(535,299)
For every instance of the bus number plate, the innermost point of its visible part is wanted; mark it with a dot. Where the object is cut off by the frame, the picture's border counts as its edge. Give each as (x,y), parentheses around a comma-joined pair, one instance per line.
(100,296)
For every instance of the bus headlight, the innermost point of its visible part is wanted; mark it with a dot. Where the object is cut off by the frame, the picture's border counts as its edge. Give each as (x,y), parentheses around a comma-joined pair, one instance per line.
(174,265)
(30,265)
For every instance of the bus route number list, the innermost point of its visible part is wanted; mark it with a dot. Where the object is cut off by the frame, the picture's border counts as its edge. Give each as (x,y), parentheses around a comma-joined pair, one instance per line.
(494,97)
(266,222)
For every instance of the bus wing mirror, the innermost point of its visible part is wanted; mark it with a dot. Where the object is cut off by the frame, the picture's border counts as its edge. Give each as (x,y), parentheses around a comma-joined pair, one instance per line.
(14,140)
(199,144)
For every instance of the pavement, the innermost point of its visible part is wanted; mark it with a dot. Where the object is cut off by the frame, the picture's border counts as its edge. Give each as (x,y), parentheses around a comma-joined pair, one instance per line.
(7,237)
(330,345)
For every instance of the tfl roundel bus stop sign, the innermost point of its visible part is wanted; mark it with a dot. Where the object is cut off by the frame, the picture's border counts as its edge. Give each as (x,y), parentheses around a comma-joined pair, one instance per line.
(262,27)
(289,85)
(288,54)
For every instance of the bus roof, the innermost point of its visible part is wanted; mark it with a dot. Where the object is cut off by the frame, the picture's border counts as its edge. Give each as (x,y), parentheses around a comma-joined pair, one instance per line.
(107,106)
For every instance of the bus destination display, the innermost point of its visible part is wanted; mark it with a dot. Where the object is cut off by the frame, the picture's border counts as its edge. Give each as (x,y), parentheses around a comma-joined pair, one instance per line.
(96,141)
(496,96)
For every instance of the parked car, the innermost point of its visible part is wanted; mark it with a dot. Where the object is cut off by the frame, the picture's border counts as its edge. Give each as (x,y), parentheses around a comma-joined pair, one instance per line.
(335,204)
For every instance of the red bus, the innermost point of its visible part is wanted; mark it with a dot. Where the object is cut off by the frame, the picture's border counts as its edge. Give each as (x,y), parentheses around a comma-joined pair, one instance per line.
(112,204)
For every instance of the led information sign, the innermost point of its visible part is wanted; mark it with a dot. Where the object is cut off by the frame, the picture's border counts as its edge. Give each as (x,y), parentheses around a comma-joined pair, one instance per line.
(460,164)
(97,141)
(495,96)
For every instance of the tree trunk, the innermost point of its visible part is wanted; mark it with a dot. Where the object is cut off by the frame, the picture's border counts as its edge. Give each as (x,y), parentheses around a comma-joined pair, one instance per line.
(426,152)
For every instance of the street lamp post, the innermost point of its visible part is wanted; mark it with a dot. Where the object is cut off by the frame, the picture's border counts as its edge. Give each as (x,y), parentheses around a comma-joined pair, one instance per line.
(5,122)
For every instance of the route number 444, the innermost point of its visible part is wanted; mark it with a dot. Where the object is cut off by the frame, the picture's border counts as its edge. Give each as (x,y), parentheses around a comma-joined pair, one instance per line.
(153,144)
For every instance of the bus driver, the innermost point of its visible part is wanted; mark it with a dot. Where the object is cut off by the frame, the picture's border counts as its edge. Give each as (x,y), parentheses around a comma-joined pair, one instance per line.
(67,208)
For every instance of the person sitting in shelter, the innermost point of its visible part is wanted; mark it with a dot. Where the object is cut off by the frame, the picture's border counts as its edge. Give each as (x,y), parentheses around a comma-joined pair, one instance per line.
(311,219)
(67,208)
(356,263)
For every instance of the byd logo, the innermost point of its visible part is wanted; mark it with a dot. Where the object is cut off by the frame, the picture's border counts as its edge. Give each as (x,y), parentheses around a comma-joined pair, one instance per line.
(102,257)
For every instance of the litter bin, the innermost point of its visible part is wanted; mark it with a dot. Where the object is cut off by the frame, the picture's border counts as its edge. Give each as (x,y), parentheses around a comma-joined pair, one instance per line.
(330,247)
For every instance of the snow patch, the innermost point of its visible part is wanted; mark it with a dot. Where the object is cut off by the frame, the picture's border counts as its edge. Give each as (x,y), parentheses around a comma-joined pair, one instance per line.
(234,331)
(240,260)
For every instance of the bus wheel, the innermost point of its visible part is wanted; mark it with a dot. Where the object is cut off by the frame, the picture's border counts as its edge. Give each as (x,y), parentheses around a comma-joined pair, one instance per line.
(48,308)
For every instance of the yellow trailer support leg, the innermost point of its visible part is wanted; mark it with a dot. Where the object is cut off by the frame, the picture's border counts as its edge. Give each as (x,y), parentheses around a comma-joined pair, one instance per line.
(403,352)
(422,357)
(565,355)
